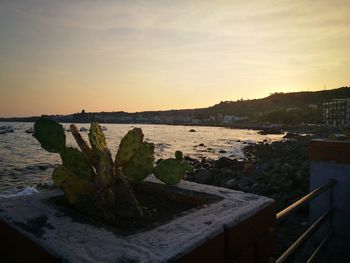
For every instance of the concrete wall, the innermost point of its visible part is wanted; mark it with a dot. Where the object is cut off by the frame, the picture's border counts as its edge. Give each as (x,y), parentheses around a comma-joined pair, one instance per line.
(331,160)
(235,227)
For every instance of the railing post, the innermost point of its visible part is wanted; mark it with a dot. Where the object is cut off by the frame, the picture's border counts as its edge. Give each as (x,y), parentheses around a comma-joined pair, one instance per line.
(330,160)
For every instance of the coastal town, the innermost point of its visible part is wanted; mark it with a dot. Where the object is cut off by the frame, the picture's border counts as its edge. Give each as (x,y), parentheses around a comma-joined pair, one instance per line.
(330,108)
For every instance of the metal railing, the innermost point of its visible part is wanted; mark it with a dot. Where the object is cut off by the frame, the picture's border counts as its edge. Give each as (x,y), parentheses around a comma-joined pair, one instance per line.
(295,206)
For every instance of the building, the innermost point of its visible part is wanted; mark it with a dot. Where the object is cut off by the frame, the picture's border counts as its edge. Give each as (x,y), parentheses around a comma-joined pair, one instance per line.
(231,118)
(291,109)
(337,112)
(313,106)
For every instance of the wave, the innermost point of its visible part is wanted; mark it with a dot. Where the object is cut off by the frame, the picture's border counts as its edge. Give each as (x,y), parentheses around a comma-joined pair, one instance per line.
(16,192)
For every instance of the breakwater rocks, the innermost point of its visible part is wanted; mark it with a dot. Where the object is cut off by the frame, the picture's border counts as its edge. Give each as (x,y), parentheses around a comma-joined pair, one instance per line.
(279,170)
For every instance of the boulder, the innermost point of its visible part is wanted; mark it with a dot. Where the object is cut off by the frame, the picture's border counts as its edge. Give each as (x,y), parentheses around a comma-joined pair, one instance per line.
(204,176)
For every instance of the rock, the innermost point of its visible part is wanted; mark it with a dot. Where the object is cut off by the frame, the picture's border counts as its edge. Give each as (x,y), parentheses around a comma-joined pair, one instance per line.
(255,185)
(289,186)
(279,170)
(191,176)
(286,168)
(204,177)
(266,166)
(290,135)
(225,162)
(232,183)
(192,130)
(245,181)
(201,145)
(276,167)
(222,151)
(270,131)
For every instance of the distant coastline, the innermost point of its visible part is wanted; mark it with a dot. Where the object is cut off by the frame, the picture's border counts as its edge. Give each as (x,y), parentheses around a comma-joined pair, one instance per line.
(275,111)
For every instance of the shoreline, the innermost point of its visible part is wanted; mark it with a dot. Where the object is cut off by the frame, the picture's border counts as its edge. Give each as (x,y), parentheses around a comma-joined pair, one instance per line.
(266,129)
(279,170)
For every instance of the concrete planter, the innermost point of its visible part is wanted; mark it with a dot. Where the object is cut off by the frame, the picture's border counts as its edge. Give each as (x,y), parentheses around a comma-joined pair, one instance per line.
(235,226)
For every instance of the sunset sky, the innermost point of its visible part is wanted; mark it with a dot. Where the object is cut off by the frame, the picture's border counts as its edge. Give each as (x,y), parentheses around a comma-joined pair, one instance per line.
(59,57)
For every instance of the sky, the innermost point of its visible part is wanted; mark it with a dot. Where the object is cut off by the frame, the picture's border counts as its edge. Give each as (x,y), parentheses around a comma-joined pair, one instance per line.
(59,57)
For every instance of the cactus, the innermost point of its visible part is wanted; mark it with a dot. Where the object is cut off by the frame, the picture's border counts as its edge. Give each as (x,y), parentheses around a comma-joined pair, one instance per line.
(91,181)
(104,168)
(74,186)
(171,171)
(97,138)
(50,135)
(128,146)
(60,174)
(178,156)
(76,162)
(141,164)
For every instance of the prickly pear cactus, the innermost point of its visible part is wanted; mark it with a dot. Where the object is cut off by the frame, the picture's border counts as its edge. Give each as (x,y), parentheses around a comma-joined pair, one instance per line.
(105,169)
(50,135)
(74,187)
(76,162)
(102,156)
(60,174)
(171,171)
(97,138)
(141,163)
(128,146)
(178,155)
(89,178)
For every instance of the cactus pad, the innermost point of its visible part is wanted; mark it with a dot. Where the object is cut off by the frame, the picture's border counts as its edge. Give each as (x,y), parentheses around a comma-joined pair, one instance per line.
(75,161)
(178,155)
(170,171)
(50,135)
(97,138)
(60,174)
(75,186)
(141,164)
(105,168)
(128,146)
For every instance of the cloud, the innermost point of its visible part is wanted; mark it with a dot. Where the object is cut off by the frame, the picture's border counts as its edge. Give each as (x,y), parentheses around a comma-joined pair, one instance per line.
(191,43)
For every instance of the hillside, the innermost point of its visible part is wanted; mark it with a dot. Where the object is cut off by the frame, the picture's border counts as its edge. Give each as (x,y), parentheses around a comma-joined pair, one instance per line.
(285,108)
(293,107)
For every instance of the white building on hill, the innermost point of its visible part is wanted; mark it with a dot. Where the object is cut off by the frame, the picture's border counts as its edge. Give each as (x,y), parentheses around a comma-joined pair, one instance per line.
(337,112)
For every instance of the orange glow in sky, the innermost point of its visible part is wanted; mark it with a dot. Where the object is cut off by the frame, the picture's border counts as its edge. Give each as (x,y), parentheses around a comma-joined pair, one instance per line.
(58,57)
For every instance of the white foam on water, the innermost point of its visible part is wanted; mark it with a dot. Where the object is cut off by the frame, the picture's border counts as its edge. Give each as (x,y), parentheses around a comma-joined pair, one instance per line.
(236,152)
(15,192)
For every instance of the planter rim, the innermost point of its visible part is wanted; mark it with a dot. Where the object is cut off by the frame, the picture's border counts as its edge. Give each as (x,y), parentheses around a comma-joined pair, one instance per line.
(77,242)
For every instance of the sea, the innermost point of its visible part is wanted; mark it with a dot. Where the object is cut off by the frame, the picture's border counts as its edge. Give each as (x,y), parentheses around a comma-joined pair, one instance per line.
(26,168)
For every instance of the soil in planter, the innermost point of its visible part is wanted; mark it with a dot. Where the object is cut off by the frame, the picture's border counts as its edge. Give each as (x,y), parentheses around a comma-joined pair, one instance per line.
(159,207)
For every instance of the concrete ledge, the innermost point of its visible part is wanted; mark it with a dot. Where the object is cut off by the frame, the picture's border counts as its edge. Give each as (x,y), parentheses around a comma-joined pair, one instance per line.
(70,241)
(330,160)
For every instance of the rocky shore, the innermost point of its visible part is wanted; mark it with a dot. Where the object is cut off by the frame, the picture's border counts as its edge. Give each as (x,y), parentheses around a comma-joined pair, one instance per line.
(279,170)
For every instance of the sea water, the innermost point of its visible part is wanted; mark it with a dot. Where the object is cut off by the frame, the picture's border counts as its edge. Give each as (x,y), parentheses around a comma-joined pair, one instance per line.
(26,167)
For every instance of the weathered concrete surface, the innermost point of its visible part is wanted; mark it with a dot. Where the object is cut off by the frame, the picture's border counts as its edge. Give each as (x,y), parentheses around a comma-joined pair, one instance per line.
(330,160)
(77,242)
